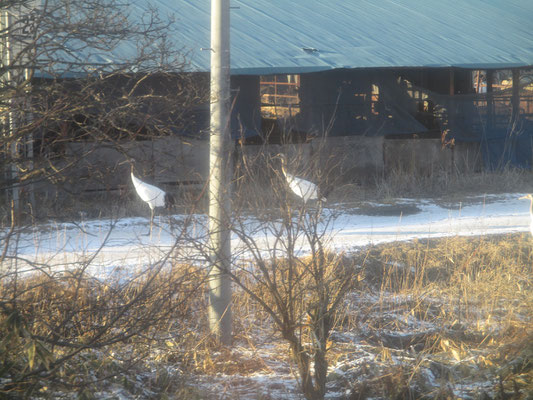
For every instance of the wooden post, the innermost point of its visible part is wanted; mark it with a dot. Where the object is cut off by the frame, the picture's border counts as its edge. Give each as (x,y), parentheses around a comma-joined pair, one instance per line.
(15,22)
(490,100)
(515,99)
(452,110)
(452,82)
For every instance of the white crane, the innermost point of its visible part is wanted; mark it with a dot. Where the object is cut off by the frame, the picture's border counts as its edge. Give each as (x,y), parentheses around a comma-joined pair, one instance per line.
(151,195)
(530,198)
(301,187)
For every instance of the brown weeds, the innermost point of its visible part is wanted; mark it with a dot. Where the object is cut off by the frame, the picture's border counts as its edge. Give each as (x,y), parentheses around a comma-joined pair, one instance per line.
(436,318)
(462,307)
(51,325)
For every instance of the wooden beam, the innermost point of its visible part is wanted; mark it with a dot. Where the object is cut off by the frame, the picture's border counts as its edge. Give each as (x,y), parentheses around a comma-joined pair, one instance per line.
(452,82)
(515,99)
(490,100)
(451,113)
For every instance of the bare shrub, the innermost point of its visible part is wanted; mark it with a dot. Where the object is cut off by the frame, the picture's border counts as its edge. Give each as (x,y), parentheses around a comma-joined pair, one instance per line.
(290,273)
(53,316)
(59,92)
(69,89)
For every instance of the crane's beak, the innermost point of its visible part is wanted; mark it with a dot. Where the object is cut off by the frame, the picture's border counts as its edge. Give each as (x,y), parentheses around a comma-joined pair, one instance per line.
(281,157)
(127,161)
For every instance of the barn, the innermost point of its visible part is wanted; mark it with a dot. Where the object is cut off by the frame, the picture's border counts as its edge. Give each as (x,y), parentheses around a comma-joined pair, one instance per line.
(457,73)
(381,82)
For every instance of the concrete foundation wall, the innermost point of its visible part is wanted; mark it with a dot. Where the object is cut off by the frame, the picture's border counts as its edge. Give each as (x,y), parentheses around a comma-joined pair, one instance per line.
(104,167)
(330,160)
(169,162)
(427,157)
(417,156)
(350,158)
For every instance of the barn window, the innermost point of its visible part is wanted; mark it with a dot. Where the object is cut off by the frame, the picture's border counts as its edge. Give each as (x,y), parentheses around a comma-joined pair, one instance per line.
(279,96)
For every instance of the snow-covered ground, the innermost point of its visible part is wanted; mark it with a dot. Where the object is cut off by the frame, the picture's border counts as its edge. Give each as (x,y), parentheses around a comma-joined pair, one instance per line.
(124,242)
(113,246)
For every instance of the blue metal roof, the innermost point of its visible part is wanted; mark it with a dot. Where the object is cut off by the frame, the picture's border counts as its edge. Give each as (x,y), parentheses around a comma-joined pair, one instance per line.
(298,36)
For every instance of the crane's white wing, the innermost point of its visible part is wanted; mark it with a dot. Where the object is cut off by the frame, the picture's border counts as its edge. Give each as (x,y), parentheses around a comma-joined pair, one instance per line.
(302,188)
(151,194)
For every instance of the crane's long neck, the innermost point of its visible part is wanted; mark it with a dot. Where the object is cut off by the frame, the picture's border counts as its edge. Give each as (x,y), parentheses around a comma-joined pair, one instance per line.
(531,209)
(284,170)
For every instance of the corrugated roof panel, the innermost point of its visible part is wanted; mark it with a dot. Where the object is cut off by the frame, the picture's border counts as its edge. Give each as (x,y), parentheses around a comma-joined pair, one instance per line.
(381,33)
(272,36)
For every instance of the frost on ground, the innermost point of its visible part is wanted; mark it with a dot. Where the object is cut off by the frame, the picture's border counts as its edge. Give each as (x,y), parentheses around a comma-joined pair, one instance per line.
(387,345)
(124,242)
(408,332)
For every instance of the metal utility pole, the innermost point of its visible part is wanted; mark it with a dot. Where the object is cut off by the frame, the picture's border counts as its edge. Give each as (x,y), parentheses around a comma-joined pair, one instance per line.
(219,175)
(16,22)
(6,24)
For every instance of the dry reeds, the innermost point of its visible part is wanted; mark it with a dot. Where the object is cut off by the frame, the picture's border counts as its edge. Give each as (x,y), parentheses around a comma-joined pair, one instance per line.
(50,324)
(459,307)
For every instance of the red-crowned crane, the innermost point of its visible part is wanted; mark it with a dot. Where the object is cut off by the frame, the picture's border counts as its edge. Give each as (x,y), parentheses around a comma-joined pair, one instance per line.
(530,198)
(302,188)
(151,195)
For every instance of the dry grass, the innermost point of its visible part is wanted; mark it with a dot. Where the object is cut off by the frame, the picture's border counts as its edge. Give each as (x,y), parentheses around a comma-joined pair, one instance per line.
(71,332)
(256,188)
(442,318)
(448,186)
(461,308)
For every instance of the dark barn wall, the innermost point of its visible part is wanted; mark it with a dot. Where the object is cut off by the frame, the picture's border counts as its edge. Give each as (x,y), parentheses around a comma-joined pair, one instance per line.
(246,106)
(345,104)
(357,102)
(335,102)
(443,81)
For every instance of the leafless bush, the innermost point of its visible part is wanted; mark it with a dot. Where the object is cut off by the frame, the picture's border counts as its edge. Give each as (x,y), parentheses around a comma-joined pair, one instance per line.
(54,314)
(289,272)
(71,77)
